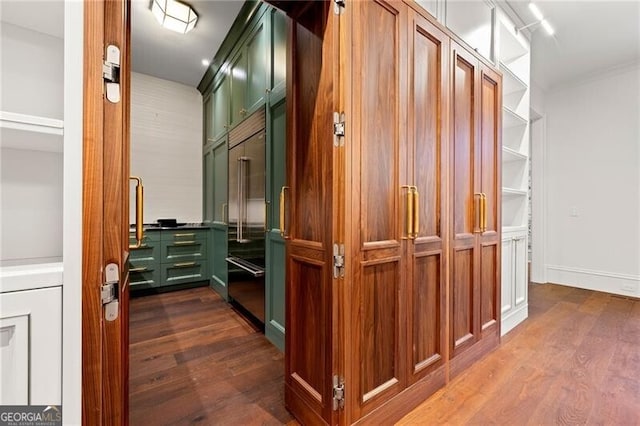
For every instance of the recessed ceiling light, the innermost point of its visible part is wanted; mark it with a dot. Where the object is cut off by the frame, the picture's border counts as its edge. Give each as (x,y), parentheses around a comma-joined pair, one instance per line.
(174,15)
(205,62)
(548,28)
(536,12)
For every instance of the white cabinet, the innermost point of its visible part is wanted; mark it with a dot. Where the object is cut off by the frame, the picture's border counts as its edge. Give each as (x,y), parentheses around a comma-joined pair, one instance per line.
(31,347)
(514,306)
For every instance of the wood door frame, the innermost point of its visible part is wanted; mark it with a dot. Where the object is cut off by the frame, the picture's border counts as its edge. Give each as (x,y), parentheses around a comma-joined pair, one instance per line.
(104,215)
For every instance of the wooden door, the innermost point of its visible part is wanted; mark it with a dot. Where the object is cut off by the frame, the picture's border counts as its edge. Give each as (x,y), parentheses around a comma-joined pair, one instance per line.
(427,133)
(105,217)
(376,217)
(465,200)
(489,237)
(310,213)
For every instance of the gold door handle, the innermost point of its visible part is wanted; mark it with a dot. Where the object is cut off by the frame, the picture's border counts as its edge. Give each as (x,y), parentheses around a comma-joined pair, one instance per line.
(184,265)
(478,212)
(484,212)
(410,210)
(416,212)
(282,204)
(139,212)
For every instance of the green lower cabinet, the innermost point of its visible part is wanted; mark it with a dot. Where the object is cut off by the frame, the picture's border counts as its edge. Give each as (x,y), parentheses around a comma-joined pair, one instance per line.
(274,289)
(144,274)
(184,272)
(218,259)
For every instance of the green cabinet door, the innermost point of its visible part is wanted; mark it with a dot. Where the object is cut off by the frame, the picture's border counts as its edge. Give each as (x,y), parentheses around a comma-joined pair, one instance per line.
(218,237)
(208,181)
(208,119)
(275,247)
(238,71)
(257,66)
(278,61)
(220,96)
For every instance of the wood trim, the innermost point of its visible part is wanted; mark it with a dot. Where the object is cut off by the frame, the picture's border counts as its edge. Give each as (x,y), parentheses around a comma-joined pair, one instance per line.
(92,215)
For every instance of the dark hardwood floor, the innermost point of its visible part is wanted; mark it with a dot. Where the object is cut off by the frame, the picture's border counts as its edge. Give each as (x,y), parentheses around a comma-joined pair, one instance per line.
(576,360)
(194,360)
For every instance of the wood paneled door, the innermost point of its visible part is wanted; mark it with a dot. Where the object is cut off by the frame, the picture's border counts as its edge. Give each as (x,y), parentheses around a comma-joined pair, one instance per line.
(105,216)
(309,212)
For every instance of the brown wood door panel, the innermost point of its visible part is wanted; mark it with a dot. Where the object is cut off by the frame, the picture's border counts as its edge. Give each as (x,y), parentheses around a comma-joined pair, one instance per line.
(427,134)
(105,344)
(464,278)
(489,287)
(310,208)
(376,40)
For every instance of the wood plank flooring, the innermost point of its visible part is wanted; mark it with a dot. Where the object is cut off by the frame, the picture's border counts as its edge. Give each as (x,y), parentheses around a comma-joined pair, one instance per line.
(576,360)
(193,360)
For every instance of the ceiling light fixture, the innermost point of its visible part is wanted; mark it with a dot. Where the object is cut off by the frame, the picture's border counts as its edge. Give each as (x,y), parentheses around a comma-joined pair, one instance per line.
(537,13)
(174,15)
(205,62)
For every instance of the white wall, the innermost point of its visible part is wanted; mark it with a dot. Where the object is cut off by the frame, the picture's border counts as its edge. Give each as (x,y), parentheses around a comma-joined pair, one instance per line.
(592,183)
(166,148)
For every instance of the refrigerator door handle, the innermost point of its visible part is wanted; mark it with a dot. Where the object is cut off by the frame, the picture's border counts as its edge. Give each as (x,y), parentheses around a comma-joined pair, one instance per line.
(255,271)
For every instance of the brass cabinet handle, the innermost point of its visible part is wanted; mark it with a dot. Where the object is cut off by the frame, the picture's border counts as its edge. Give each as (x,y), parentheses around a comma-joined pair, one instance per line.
(243,111)
(484,212)
(140,269)
(416,212)
(410,220)
(184,264)
(183,235)
(282,204)
(139,212)
(478,212)
(184,243)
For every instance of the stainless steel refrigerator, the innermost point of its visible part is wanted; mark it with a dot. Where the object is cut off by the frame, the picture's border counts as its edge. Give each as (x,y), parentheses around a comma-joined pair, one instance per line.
(247,226)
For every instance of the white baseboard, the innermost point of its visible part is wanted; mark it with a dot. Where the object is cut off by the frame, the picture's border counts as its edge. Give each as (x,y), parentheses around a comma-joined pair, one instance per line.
(608,282)
(513,318)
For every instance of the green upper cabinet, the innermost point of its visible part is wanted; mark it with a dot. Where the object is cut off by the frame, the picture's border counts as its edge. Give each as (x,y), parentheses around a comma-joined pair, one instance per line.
(208,119)
(238,71)
(278,64)
(220,116)
(207,184)
(256,51)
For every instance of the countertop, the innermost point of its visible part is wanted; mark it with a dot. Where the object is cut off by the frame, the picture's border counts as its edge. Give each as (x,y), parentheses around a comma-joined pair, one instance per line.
(156,227)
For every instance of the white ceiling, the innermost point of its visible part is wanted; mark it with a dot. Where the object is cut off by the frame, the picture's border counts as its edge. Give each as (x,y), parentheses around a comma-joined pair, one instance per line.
(178,57)
(590,37)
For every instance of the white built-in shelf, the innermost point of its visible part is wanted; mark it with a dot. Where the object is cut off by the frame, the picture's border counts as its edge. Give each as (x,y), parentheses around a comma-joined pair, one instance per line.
(511,82)
(511,48)
(509,155)
(511,192)
(509,229)
(30,132)
(511,119)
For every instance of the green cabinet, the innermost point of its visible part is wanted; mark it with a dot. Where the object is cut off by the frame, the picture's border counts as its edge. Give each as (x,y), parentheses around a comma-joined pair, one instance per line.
(220,114)
(207,110)
(278,45)
(169,257)
(238,72)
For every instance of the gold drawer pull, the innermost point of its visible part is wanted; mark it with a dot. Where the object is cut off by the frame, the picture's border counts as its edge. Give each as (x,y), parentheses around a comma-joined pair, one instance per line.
(184,265)
(184,243)
(140,269)
(184,235)
(140,247)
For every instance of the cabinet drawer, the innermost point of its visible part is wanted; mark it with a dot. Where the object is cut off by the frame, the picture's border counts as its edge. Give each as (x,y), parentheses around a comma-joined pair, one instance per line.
(184,251)
(185,235)
(184,272)
(143,274)
(149,251)
(147,236)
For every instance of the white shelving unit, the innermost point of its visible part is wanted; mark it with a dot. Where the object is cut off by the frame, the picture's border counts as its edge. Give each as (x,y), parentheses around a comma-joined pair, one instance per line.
(31,157)
(513,60)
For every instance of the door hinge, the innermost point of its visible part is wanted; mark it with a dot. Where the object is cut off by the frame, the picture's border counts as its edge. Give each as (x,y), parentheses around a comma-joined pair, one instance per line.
(338,129)
(338,6)
(338,260)
(111,73)
(338,393)
(109,292)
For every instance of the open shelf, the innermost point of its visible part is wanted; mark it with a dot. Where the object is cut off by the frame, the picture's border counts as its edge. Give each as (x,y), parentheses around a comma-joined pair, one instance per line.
(511,192)
(511,48)
(511,82)
(509,155)
(29,132)
(511,119)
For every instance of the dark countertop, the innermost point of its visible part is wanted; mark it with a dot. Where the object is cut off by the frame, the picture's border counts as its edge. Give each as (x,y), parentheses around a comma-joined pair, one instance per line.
(156,227)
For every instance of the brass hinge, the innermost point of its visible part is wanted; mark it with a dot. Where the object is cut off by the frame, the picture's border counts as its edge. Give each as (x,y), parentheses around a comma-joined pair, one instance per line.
(338,393)
(338,6)
(338,129)
(109,292)
(338,260)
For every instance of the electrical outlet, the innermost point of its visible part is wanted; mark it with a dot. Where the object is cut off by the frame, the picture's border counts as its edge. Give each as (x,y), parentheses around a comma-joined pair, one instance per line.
(574,211)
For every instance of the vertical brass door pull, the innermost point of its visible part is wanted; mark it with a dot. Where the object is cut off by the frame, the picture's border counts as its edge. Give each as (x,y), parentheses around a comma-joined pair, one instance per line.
(484,212)
(139,212)
(478,207)
(409,213)
(282,205)
(416,212)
